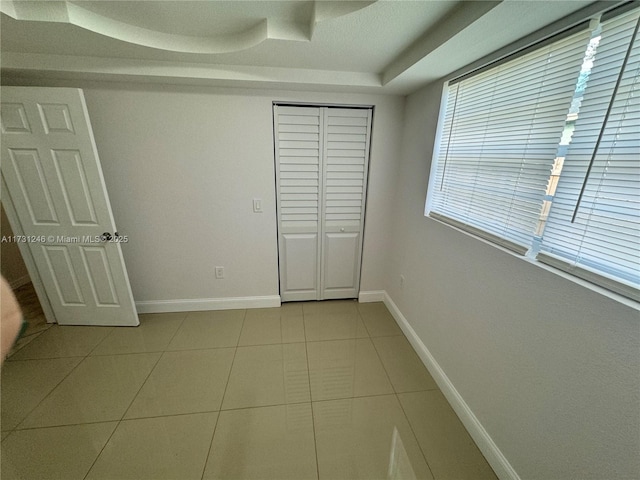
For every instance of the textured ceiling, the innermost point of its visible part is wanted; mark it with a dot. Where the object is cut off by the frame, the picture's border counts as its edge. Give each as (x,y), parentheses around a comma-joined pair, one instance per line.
(386,46)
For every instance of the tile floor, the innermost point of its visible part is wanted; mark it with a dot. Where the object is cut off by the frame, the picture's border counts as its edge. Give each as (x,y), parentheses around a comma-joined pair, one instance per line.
(328,390)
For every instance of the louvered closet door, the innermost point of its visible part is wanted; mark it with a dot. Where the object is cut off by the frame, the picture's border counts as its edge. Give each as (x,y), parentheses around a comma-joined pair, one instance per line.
(321,159)
(345,163)
(298,153)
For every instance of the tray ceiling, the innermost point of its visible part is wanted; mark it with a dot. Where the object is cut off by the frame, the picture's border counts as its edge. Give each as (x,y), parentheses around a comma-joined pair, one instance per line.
(386,46)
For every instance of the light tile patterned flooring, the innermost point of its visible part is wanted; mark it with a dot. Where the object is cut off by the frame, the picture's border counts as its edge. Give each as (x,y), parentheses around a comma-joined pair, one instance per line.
(328,390)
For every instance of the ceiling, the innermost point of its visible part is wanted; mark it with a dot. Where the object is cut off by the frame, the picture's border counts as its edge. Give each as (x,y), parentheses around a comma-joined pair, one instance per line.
(384,46)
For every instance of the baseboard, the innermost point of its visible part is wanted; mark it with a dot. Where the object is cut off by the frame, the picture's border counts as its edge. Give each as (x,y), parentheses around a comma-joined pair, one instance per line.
(489,449)
(198,304)
(19,282)
(371,296)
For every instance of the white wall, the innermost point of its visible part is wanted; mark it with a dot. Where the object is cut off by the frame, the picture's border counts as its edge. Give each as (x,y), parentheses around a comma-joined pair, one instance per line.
(550,368)
(182,166)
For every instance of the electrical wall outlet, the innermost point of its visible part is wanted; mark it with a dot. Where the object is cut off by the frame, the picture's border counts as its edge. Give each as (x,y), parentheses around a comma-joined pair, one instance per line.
(219,272)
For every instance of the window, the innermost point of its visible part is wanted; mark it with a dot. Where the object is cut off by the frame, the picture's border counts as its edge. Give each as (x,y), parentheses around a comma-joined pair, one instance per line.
(541,154)
(593,228)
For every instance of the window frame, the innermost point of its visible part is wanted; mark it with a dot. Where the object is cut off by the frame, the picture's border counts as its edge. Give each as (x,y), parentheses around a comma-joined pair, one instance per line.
(592,280)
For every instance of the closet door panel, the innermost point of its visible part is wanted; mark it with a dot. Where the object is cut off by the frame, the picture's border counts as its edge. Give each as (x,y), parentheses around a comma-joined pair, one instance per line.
(344,170)
(298,138)
(300,266)
(341,256)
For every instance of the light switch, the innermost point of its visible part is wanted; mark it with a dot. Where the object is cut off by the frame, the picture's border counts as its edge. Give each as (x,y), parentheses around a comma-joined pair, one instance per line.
(257,205)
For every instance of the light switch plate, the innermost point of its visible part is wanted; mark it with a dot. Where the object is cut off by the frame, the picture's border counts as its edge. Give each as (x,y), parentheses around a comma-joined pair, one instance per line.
(219,272)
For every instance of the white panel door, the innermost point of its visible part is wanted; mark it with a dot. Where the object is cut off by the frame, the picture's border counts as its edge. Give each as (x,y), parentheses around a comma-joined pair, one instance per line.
(345,165)
(298,134)
(321,160)
(51,168)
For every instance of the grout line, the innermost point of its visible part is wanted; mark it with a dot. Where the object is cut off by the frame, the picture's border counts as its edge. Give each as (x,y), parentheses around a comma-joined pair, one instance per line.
(123,415)
(150,371)
(244,317)
(184,318)
(186,314)
(118,421)
(363,323)
(281,335)
(54,388)
(65,425)
(265,344)
(269,405)
(132,400)
(132,419)
(102,449)
(126,353)
(113,329)
(423,390)
(301,402)
(144,382)
(213,434)
(43,358)
(384,367)
(170,349)
(224,394)
(110,355)
(269,345)
(252,407)
(396,393)
(350,339)
(15,350)
(182,414)
(414,435)
(200,348)
(313,420)
(353,398)
(388,336)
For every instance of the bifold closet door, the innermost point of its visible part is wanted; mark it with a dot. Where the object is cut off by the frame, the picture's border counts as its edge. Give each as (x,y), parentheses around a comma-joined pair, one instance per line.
(298,137)
(321,161)
(345,162)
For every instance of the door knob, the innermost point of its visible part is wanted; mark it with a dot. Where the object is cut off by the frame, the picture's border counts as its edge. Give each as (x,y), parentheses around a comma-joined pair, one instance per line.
(342,229)
(106,236)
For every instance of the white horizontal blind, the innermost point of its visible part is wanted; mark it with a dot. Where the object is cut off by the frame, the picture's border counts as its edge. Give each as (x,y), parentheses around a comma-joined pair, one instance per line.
(345,164)
(602,244)
(298,144)
(500,134)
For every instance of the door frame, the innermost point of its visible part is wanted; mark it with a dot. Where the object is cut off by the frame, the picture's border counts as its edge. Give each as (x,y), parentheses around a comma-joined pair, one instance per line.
(321,179)
(29,262)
